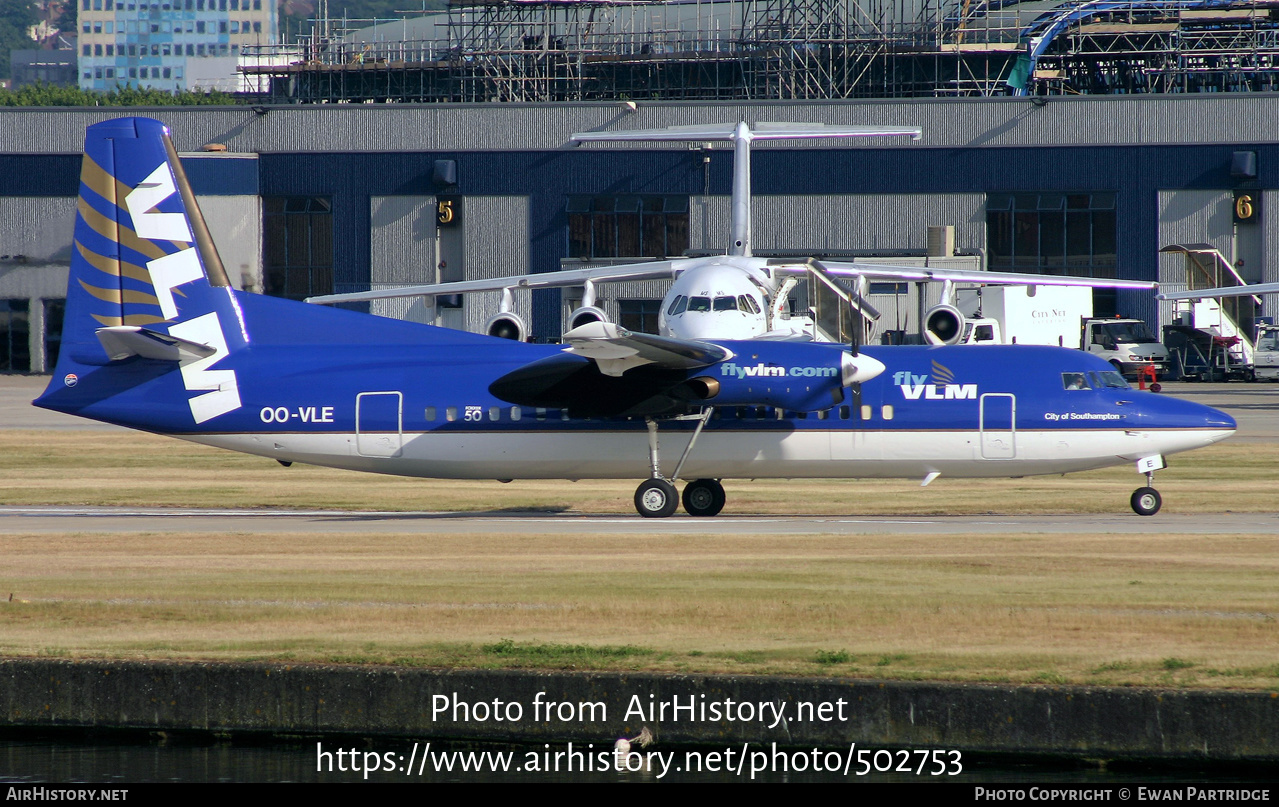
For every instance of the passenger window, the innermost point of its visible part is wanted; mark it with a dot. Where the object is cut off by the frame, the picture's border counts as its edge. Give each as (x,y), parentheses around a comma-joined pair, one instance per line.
(867,412)
(516,414)
(887,411)
(495,413)
(541,413)
(845,413)
(430,413)
(450,414)
(564,414)
(822,414)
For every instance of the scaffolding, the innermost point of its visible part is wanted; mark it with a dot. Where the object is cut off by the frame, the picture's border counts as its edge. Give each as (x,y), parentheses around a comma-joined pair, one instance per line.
(538,51)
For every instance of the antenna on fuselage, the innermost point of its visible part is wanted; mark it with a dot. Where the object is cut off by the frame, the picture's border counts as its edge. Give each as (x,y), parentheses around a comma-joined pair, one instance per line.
(741,136)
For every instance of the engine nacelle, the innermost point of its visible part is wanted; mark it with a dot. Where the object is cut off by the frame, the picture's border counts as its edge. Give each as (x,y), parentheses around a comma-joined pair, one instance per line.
(585,314)
(944,325)
(507,326)
(704,387)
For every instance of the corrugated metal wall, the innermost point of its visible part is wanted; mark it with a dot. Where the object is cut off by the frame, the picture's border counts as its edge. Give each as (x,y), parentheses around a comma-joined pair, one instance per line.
(496,245)
(824,223)
(949,123)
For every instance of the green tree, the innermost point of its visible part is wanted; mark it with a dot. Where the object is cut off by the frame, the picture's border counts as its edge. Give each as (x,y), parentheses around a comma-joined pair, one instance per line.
(50,95)
(16,18)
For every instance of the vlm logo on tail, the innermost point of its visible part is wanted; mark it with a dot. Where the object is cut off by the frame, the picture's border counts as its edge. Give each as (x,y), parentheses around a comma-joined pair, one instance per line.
(221,390)
(943,388)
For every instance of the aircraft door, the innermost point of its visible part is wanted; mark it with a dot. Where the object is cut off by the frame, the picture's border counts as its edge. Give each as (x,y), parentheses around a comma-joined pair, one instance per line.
(379,424)
(997,424)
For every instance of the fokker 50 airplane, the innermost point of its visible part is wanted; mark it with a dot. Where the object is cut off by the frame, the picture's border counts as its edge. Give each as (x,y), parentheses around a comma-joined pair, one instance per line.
(155,338)
(734,295)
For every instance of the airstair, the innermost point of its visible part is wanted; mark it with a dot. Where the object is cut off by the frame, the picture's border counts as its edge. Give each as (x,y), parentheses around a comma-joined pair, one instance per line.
(1212,338)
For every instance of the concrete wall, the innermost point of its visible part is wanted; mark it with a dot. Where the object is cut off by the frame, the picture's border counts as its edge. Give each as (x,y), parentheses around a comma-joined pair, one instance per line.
(1082,722)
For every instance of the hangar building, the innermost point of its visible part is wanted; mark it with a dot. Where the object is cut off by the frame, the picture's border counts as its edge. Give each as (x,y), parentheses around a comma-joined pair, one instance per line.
(312,199)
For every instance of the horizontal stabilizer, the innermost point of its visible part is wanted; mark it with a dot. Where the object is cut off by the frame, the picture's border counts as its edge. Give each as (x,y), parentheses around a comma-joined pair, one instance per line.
(616,350)
(123,341)
(761,131)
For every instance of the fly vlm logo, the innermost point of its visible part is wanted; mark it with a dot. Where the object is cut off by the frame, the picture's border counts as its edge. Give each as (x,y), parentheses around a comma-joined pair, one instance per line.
(762,370)
(220,388)
(943,388)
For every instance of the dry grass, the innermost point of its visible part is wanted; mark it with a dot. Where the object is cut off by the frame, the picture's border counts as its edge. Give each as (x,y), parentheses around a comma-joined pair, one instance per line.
(1118,610)
(136,469)
(1106,609)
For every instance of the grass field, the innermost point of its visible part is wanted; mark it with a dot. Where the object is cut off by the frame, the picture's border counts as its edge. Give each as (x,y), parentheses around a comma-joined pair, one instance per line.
(1106,609)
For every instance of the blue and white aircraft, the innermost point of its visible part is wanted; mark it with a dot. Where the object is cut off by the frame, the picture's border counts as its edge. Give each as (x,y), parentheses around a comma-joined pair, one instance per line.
(155,338)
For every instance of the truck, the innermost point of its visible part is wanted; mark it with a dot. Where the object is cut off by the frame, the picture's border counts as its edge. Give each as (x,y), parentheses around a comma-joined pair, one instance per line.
(1045,315)
(1265,359)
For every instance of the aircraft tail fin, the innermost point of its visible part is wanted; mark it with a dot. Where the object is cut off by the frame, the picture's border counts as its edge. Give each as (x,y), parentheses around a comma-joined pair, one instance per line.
(145,278)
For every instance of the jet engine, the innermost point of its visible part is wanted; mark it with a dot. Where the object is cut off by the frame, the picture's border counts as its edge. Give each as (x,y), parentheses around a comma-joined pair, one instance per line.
(943,325)
(585,314)
(507,326)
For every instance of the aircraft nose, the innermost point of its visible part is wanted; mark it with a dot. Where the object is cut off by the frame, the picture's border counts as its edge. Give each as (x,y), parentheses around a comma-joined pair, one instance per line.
(1176,413)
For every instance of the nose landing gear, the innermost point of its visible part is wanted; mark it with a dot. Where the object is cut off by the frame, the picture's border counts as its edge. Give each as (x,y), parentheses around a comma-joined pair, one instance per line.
(1147,501)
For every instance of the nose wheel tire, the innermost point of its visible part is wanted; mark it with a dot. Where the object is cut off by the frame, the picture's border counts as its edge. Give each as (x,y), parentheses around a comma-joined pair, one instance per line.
(1146,501)
(656,498)
(704,497)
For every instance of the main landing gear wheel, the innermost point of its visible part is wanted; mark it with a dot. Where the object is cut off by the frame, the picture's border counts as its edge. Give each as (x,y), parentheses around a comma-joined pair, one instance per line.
(1146,501)
(704,497)
(656,498)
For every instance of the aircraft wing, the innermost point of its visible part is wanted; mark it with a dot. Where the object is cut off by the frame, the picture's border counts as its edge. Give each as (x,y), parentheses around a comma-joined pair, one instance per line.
(616,350)
(649,270)
(1223,291)
(873,271)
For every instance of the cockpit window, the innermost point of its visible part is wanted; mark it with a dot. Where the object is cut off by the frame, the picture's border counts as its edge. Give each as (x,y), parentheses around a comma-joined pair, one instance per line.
(1074,381)
(725,303)
(699,304)
(1111,379)
(677,306)
(747,303)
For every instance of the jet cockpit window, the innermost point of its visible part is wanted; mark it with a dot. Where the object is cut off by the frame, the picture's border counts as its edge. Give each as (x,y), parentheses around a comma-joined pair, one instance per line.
(677,306)
(699,304)
(1074,381)
(747,303)
(725,303)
